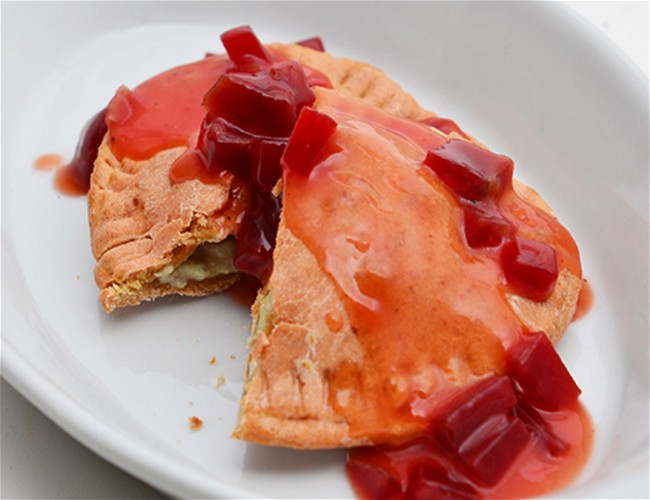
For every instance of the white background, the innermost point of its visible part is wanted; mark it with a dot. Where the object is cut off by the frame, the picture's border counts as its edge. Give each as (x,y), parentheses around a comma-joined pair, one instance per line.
(38,460)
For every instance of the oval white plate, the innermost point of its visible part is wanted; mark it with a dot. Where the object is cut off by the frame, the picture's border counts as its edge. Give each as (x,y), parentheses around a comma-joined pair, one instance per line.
(525,78)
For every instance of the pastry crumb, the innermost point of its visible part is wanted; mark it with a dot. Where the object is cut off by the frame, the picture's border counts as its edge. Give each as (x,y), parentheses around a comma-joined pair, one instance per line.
(195,423)
(232,356)
(213,360)
(221,381)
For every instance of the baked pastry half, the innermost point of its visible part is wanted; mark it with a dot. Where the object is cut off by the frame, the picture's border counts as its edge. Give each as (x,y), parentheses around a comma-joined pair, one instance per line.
(388,287)
(152,235)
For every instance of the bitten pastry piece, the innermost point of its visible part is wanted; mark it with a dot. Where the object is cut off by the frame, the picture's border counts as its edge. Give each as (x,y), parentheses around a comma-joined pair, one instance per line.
(152,236)
(377,305)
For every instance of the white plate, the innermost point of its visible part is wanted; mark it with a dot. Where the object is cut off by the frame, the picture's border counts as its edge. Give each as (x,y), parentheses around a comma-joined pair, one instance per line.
(525,78)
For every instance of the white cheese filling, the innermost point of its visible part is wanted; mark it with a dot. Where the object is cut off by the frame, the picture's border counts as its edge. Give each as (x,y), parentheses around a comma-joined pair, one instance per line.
(210,259)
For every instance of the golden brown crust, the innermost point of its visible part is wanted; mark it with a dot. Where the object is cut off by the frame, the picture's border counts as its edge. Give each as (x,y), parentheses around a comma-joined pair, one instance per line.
(359,80)
(140,223)
(134,292)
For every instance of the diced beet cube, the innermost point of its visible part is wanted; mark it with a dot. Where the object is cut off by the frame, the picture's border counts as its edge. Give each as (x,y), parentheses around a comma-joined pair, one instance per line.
(445,125)
(311,134)
(256,236)
(471,172)
(226,148)
(468,409)
(484,226)
(545,381)
(372,481)
(264,103)
(294,80)
(314,43)
(432,480)
(242,44)
(265,167)
(530,267)
(536,424)
(492,449)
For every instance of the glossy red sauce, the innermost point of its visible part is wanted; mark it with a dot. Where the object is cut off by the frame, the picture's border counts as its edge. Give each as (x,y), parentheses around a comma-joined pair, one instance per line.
(74,178)
(445,125)
(49,161)
(163,112)
(431,313)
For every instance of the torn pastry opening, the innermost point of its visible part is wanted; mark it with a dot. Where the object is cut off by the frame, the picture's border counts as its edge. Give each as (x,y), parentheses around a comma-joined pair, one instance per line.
(207,270)
(209,260)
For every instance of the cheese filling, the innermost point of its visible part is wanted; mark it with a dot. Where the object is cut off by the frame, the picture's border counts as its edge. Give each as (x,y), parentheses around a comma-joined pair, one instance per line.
(209,260)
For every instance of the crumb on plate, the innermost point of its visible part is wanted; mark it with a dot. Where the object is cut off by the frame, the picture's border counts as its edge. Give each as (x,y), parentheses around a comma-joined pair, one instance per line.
(195,423)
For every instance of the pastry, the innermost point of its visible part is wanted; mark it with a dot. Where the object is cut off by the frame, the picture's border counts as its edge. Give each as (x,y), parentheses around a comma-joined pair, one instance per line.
(152,236)
(302,333)
(412,290)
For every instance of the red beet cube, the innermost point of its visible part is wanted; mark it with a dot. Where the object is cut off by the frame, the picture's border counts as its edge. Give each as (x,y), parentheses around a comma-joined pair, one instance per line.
(468,409)
(242,45)
(225,147)
(264,103)
(545,381)
(256,236)
(311,134)
(314,43)
(445,125)
(484,226)
(536,424)
(293,76)
(470,171)
(265,167)
(433,480)
(530,267)
(493,448)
